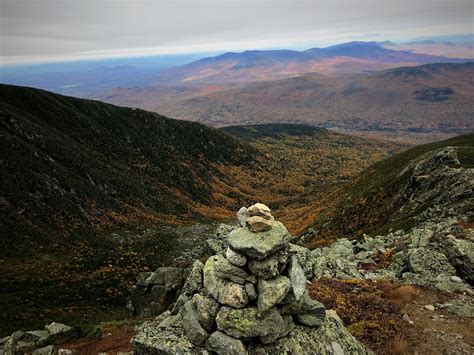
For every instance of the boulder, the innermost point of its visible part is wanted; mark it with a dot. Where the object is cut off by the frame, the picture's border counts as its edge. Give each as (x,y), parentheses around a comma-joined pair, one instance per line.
(269,267)
(428,262)
(232,294)
(192,285)
(420,237)
(259,245)
(169,340)
(210,279)
(330,338)
(47,350)
(297,278)
(206,309)
(304,257)
(272,292)
(235,258)
(57,328)
(249,322)
(224,344)
(194,331)
(460,254)
(305,305)
(284,331)
(258,224)
(155,291)
(228,271)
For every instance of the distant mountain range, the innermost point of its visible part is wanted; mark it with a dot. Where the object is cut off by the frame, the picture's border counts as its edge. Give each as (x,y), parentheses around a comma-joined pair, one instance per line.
(255,65)
(431,97)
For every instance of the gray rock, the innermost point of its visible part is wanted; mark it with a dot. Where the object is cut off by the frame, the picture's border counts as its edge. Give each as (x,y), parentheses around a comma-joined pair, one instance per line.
(249,322)
(235,258)
(428,262)
(170,320)
(156,291)
(224,344)
(206,309)
(193,283)
(460,254)
(288,327)
(57,328)
(420,237)
(297,278)
(232,294)
(242,216)
(259,245)
(47,350)
(304,257)
(251,293)
(194,331)
(169,340)
(309,319)
(227,271)
(257,224)
(211,281)
(337,261)
(272,292)
(306,305)
(313,341)
(269,267)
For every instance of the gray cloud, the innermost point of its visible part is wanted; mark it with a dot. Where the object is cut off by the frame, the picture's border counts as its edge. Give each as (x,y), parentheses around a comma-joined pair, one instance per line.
(67,29)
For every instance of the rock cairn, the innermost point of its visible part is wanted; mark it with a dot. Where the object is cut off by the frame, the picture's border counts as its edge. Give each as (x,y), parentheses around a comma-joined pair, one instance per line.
(254,292)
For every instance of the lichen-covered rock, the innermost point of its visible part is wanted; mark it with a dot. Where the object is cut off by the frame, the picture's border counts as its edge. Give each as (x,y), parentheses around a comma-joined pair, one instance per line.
(250,289)
(272,292)
(47,350)
(297,278)
(169,340)
(420,237)
(258,224)
(224,344)
(337,261)
(194,331)
(57,328)
(305,259)
(330,338)
(305,305)
(210,279)
(193,283)
(309,319)
(460,254)
(235,258)
(232,294)
(228,271)
(249,322)
(206,309)
(269,267)
(428,262)
(259,245)
(288,327)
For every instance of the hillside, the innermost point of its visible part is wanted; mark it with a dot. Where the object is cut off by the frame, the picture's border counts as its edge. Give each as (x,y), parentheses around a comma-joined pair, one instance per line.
(91,195)
(256,65)
(426,183)
(69,162)
(427,98)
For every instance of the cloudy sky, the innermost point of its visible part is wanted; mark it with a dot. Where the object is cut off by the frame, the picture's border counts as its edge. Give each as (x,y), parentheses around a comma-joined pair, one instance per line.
(51,30)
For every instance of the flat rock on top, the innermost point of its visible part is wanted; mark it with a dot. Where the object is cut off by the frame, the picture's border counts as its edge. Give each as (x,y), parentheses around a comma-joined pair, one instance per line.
(259,245)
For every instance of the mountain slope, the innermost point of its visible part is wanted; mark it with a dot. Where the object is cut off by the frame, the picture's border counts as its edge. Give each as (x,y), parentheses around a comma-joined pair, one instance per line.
(431,97)
(256,65)
(426,183)
(68,162)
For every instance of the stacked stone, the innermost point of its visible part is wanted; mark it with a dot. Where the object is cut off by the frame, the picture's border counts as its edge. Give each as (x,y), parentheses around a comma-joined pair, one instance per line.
(255,292)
